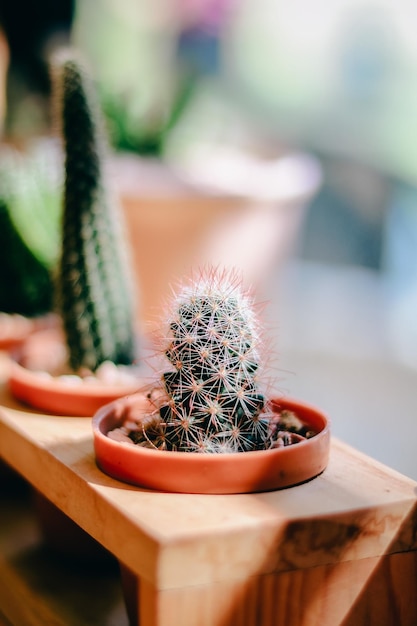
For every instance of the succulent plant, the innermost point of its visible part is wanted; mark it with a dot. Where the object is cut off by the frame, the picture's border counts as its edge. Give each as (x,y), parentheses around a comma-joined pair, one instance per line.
(28,211)
(210,399)
(95,292)
(25,284)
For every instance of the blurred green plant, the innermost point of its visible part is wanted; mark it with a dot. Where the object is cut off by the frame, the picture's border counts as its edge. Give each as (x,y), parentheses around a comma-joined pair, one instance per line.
(29,223)
(147,134)
(150,62)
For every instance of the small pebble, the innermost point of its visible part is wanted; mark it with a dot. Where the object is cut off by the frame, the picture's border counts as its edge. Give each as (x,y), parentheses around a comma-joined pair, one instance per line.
(118,434)
(70,379)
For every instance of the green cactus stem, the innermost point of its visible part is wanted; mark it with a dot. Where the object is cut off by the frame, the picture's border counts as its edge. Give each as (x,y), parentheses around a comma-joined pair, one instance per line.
(95,290)
(211,400)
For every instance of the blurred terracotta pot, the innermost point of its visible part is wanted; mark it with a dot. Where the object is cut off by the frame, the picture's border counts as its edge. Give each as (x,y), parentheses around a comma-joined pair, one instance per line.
(15,329)
(35,379)
(229,213)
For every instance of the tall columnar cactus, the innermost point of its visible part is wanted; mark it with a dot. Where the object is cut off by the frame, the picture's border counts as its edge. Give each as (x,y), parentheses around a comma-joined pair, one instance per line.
(95,294)
(211,401)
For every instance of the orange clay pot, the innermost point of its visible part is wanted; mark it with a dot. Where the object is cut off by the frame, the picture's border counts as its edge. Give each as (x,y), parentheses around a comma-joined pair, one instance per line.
(183,472)
(15,329)
(198,223)
(50,393)
(52,396)
(10,340)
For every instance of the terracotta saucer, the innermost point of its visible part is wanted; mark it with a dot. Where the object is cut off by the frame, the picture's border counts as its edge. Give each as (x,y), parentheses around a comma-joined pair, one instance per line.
(34,383)
(184,472)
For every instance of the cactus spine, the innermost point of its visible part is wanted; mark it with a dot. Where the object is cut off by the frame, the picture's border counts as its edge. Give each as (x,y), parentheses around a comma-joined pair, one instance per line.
(211,401)
(95,296)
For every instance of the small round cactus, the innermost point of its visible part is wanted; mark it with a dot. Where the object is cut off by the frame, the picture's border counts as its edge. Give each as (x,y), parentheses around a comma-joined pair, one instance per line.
(210,400)
(213,397)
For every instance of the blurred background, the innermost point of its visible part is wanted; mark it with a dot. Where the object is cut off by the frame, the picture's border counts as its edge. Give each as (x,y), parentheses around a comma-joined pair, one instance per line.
(335,81)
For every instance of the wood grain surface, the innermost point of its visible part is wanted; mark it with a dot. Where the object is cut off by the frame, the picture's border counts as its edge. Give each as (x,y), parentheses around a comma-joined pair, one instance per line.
(340,549)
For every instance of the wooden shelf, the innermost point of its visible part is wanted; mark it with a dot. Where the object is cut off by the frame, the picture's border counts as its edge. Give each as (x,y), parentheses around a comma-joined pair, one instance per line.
(38,587)
(340,549)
